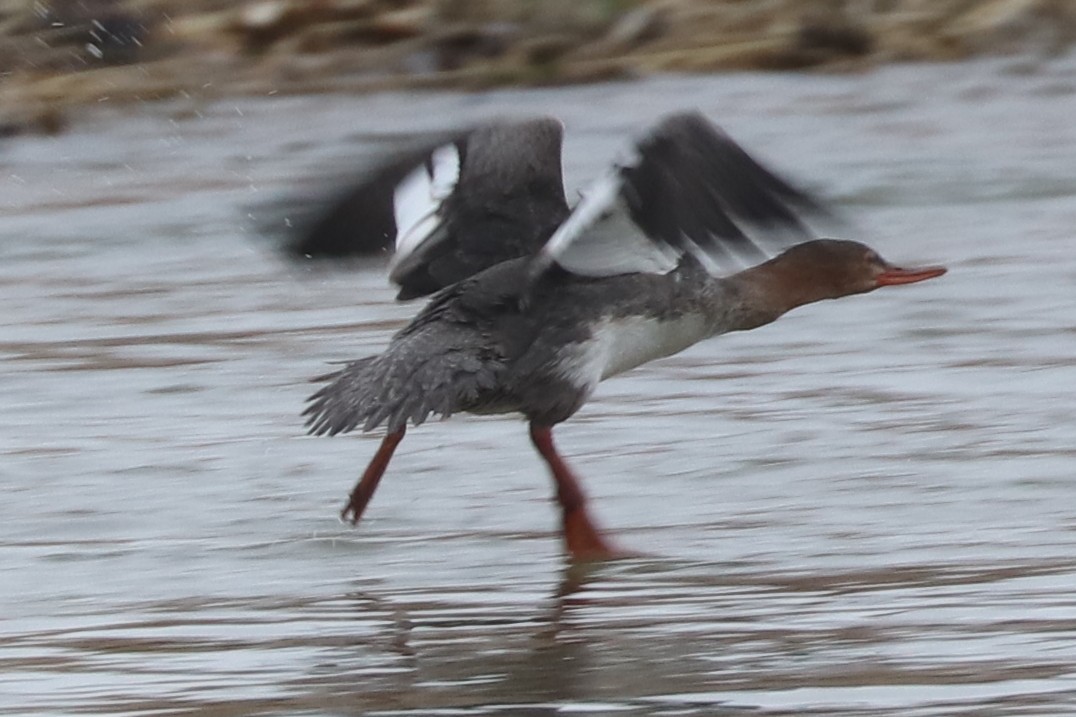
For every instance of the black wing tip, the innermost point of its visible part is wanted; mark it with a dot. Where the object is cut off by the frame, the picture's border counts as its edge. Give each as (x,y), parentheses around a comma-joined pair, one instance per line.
(694,188)
(686,128)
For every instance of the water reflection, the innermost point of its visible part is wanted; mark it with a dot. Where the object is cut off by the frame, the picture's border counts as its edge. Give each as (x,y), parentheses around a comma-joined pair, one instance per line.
(641,637)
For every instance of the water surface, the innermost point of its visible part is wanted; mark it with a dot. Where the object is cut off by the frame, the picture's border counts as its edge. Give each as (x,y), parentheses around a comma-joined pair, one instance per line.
(866,508)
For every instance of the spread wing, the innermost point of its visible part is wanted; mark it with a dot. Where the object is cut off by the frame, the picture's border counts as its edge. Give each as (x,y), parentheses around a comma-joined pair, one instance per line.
(351,213)
(691,190)
(452,207)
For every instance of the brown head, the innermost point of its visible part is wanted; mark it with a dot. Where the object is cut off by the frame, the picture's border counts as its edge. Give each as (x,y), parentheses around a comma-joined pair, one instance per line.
(831,268)
(813,271)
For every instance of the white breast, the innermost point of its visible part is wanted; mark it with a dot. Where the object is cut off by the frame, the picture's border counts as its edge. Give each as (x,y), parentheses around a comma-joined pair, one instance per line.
(617,345)
(634,341)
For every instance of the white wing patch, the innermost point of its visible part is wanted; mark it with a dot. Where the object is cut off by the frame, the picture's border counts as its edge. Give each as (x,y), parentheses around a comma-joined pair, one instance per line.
(687,189)
(418,198)
(600,238)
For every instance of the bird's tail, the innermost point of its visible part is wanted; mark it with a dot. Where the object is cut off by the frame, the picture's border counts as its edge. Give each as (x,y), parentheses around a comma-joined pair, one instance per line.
(400,386)
(347,401)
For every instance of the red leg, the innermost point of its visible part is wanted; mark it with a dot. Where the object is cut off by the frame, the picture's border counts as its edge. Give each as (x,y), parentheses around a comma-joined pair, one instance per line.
(582,537)
(364,489)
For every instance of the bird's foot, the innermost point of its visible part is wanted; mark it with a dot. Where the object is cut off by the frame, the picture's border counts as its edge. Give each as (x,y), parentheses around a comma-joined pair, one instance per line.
(352,512)
(585,543)
(364,489)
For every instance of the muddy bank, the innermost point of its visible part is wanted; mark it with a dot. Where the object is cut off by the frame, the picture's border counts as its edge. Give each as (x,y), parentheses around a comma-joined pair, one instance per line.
(58,54)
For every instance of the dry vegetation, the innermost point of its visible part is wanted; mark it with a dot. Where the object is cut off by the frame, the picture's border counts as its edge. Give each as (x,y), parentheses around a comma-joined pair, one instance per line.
(56,54)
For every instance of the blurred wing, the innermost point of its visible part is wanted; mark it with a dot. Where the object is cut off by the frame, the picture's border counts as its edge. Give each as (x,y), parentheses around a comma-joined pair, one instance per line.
(496,195)
(356,215)
(450,207)
(419,199)
(690,190)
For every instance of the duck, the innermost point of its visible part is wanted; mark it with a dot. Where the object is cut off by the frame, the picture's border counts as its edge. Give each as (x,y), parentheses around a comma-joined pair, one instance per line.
(532,303)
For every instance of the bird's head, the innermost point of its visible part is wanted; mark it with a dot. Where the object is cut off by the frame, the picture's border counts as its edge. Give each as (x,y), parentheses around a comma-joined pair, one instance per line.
(837,267)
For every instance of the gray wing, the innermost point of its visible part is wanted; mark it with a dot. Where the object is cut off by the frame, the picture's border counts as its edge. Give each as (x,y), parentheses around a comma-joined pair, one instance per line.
(508,198)
(690,190)
(452,207)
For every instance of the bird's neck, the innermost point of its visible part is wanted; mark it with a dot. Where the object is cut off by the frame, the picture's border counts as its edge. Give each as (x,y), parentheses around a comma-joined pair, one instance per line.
(766,292)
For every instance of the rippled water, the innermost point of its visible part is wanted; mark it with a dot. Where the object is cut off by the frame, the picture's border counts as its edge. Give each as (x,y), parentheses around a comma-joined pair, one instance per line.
(867,508)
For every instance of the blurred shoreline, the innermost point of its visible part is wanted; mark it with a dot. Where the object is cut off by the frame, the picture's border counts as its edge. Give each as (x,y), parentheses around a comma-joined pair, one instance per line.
(59,55)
